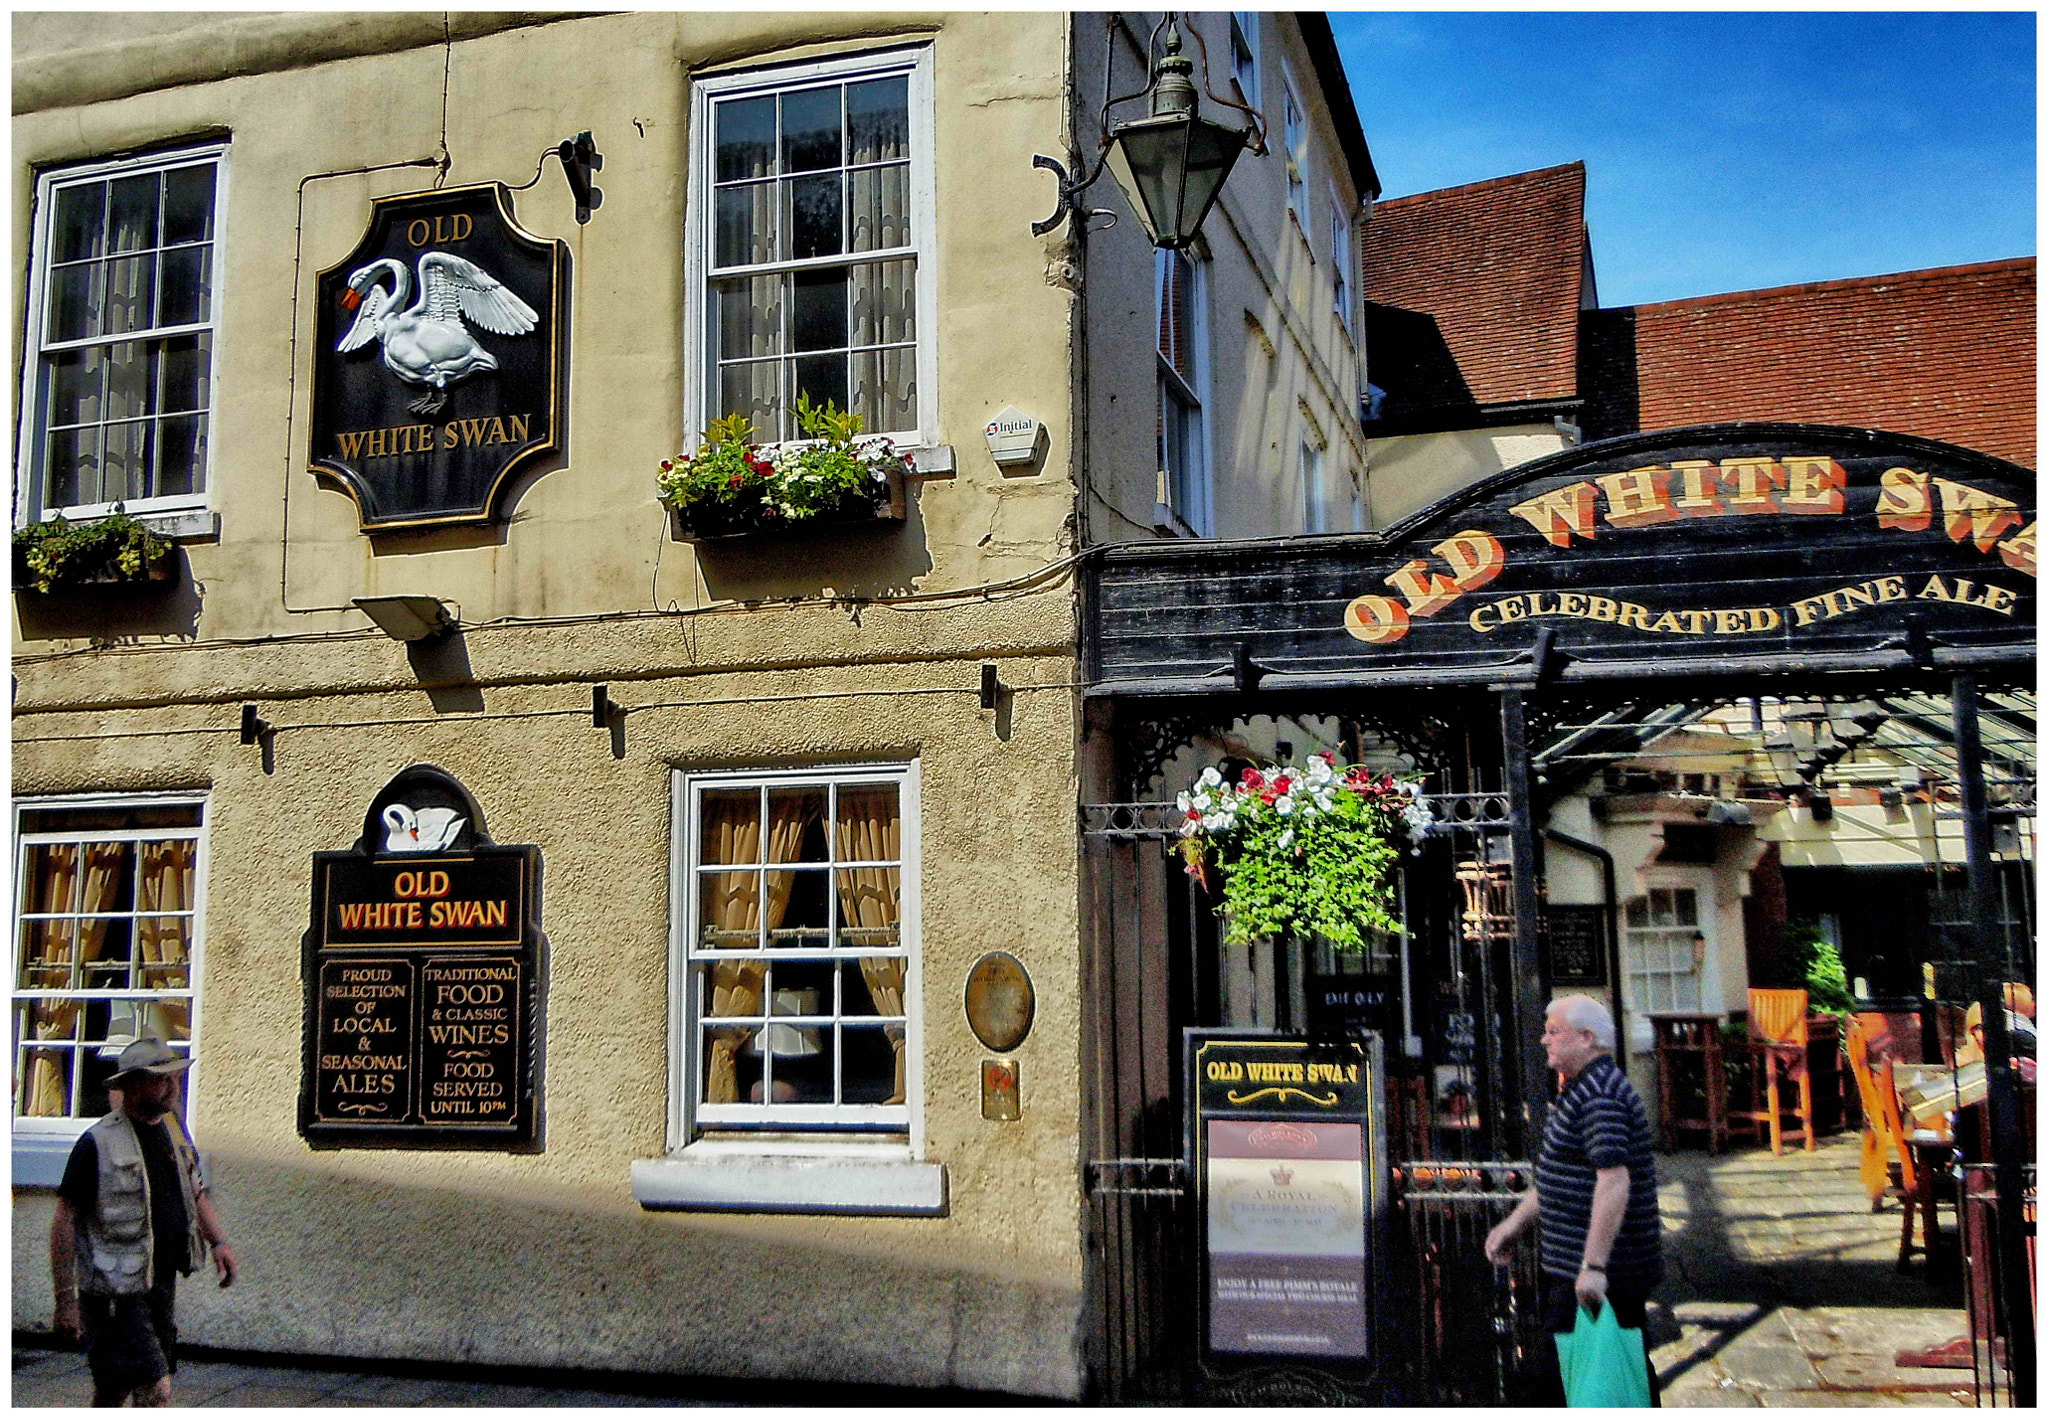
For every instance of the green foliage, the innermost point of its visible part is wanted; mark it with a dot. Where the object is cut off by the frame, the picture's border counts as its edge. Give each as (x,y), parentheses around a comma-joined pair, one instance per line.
(733,484)
(1818,967)
(58,553)
(1308,852)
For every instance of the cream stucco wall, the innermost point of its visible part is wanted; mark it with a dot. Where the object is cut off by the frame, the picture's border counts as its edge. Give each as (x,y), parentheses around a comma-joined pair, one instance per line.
(1281,366)
(843,650)
(1411,471)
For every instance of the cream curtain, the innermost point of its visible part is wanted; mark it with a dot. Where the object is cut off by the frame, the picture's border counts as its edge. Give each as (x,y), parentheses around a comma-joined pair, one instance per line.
(870,827)
(61,887)
(731,903)
(163,884)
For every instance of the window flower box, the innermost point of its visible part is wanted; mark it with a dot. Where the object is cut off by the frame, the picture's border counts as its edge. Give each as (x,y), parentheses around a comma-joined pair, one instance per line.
(53,555)
(734,488)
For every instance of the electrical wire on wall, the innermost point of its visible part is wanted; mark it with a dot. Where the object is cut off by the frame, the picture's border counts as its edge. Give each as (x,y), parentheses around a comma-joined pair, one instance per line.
(622,711)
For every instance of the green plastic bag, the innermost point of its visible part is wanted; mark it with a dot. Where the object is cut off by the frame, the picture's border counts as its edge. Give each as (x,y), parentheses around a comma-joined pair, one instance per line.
(1602,1362)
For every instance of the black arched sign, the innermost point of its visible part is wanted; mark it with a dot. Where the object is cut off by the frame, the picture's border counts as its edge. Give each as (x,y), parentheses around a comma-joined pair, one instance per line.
(1726,547)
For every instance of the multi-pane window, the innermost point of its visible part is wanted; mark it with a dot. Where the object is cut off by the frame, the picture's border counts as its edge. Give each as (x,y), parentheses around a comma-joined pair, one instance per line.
(1244,54)
(799,950)
(812,245)
(1665,950)
(1340,256)
(1294,133)
(124,302)
(107,919)
(1182,439)
(1315,505)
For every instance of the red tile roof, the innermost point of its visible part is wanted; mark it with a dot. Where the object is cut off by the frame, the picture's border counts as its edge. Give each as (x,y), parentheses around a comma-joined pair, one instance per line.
(1946,354)
(1498,265)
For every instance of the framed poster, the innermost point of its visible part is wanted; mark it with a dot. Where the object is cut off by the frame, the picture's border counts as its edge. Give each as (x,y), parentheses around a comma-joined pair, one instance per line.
(1287,1145)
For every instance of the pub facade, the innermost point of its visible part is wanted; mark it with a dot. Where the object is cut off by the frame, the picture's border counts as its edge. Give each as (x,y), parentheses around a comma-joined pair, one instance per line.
(611,934)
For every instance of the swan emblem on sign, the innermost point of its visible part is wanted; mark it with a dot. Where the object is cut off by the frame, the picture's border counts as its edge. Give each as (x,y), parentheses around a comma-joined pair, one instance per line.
(420,830)
(426,343)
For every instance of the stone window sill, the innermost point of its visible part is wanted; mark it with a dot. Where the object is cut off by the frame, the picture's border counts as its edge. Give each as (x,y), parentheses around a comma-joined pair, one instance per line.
(731,1181)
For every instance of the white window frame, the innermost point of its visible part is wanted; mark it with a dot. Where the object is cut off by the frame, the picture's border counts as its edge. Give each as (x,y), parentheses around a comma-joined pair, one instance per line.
(1294,144)
(29,504)
(1193,396)
(42,1144)
(1244,25)
(1340,258)
(1315,498)
(700,373)
(789,1127)
(1637,976)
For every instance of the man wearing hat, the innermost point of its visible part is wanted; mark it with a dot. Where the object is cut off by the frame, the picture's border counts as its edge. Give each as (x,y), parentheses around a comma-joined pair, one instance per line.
(133,1213)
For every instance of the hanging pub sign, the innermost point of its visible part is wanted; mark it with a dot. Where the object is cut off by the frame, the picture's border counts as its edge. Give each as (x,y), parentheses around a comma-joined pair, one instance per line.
(421,981)
(1287,1149)
(1741,546)
(440,358)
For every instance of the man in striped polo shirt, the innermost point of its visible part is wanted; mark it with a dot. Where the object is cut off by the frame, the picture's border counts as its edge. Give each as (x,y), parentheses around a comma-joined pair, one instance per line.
(1596,1188)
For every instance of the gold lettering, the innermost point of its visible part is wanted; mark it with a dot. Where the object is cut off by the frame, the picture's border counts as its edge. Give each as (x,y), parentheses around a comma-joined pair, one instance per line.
(1639,497)
(1806,611)
(1695,621)
(1936,590)
(1903,502)
(1696,498)
(1600,608)
(1668,617)
(1730,622)
(1426,592)
(1476,558)
(1814,485)
(1561,513)
(1513,609)
(1378,620)
(1571,603)
(1889,589)
(351,444)
(1765,618)
(1630,614)
(2017,551)
(1752,479)
(419,233)
(1853,597)
(519,427)
(447,436)
(1970,513)
(1999,599)
(498,434)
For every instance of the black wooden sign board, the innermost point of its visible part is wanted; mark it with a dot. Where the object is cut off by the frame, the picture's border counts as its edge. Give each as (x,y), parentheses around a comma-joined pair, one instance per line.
(421,978)
(1287,1148)
(1342,1005)
(1761,546)
(1575,938)
(441,358)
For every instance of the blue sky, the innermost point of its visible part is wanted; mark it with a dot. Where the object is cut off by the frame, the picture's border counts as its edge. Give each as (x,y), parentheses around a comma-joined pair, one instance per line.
(1723,151)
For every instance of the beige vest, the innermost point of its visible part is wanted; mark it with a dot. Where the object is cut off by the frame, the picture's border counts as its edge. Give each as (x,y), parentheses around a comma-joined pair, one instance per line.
(116,1245)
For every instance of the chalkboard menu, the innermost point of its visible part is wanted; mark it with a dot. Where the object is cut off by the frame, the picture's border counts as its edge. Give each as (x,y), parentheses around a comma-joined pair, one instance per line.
(1575,937)
(421,980)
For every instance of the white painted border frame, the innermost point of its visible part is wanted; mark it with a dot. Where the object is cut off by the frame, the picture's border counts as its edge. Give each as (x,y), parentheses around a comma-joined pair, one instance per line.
(916,62)
(29,472)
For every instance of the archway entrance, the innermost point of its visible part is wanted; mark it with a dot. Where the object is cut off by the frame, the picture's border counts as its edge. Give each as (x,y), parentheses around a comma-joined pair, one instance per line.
(1692,706)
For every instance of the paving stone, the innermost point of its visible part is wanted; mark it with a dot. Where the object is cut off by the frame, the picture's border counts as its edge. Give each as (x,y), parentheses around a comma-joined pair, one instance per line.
(1863,1371)
(262,1395)
(1771,1365)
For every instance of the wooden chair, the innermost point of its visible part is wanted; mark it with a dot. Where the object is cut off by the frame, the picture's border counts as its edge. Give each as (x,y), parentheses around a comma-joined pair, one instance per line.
(1880,1144)
(1777,1042)
(1916,1176)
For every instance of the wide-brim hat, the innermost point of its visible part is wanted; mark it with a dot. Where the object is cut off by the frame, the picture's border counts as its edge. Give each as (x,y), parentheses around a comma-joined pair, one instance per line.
(150,1056)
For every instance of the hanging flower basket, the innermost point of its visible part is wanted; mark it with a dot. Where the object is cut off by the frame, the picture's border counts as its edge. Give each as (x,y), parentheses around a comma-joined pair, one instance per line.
(1309,852)
(733,487)
(56,554)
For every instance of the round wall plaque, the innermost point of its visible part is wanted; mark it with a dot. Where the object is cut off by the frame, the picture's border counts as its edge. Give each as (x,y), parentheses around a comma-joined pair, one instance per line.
(1000,1001)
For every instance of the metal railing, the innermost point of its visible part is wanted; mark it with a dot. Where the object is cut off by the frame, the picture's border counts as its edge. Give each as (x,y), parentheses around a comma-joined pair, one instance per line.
(1988,1292)
(1475,1324)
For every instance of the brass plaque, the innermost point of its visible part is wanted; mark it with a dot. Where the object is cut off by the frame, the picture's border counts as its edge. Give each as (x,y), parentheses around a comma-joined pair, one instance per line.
(1000,1001)
(999,1096)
